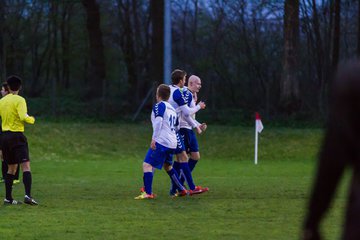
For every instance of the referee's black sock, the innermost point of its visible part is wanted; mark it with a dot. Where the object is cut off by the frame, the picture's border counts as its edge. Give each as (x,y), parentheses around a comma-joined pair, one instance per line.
(4,169)
(17,173)
(27,182)
(8,186)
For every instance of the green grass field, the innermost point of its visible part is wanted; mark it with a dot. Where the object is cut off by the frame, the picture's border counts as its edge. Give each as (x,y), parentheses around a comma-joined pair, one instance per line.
(85,177)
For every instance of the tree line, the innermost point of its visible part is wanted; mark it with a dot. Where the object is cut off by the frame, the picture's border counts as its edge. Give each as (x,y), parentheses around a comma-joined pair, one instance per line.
(100,58)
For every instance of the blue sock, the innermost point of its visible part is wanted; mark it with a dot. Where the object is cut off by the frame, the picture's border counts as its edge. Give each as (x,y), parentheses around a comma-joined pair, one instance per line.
(187,173)
(148,178)
(176,167)
(175,179)
(192,164)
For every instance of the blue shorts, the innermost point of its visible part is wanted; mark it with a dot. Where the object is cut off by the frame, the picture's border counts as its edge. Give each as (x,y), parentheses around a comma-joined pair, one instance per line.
(180,143)
(189,139)
(159,156)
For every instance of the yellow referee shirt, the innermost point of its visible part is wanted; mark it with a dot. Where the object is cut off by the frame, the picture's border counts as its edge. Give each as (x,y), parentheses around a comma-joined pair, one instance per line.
(13,112)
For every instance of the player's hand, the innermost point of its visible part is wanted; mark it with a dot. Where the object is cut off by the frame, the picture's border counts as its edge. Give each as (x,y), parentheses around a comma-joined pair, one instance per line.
(202,105)
(198,129)
(153,144)
(203,127)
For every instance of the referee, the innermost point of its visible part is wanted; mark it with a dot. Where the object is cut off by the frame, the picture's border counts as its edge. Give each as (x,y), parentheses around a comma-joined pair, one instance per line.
(13,112)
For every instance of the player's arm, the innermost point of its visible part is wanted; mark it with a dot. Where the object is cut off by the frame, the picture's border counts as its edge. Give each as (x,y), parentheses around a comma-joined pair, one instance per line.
(188,111)
(22,111)
(159,110)
(185,109)
(193,123)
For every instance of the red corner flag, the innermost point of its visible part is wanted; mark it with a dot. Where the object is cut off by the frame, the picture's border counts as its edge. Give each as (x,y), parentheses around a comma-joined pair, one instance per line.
(259,125)
(258,128)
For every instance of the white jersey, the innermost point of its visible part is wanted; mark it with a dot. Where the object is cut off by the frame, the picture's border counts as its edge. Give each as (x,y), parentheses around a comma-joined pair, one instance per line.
(166,134)
(182,122)
(178,98)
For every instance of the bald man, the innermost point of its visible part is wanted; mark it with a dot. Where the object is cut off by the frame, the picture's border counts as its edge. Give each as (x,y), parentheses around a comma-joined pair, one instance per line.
(186,132)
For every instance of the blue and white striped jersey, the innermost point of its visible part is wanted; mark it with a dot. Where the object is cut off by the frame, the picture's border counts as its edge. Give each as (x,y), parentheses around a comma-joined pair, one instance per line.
(179,98)
(165,133)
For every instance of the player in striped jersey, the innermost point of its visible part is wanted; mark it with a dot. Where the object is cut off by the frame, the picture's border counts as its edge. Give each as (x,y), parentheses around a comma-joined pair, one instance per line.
(186,132)
(163,144)
(180,99)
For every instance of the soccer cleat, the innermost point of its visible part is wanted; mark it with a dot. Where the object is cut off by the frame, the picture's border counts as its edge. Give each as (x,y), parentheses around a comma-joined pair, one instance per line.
(144,195)
(198,190)
(142,190)
(172,193)
(11,202)
(183,193)
(16,181)
(180,194)
(30,200)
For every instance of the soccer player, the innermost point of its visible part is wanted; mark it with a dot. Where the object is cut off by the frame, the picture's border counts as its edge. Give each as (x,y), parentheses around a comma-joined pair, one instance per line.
(13,112)
(4,168)
(186,132)
(181,99)
(163,144)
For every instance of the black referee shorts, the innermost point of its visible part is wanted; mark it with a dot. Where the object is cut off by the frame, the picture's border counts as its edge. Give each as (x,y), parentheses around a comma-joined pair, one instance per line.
(14,147)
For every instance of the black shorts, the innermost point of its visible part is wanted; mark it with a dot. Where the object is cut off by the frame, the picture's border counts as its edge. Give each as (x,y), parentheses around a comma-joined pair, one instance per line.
(14,147)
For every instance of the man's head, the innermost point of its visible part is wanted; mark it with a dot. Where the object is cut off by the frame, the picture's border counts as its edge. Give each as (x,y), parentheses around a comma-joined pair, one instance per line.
(178,77)
(4,89)
(194,83)
(162,92)
(14,83)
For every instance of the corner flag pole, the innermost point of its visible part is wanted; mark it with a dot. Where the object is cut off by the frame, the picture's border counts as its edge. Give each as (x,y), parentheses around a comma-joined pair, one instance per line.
(258,128)
(256,146)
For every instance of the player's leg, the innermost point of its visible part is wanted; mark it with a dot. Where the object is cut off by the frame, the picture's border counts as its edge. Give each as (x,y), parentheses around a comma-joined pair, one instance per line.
(147,179)
(27,181)
(186,137)
(177,163)
(22,154)
(4,169)
(153,159)
(193,160)
(185,170)
(12,164)
(174,177)
(193,148)
(16,178)
(9,183)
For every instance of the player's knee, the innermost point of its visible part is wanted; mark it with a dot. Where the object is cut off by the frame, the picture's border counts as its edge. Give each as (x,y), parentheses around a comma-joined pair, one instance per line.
(167,167)
(12,169)
(147,167)
(25,166)
(183,157)
(195,156)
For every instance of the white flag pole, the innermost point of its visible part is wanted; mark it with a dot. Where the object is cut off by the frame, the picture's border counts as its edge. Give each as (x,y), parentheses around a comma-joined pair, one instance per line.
(256,143)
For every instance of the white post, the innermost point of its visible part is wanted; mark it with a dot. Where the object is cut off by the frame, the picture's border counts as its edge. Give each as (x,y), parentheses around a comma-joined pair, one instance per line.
(167,41)
(256,144)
